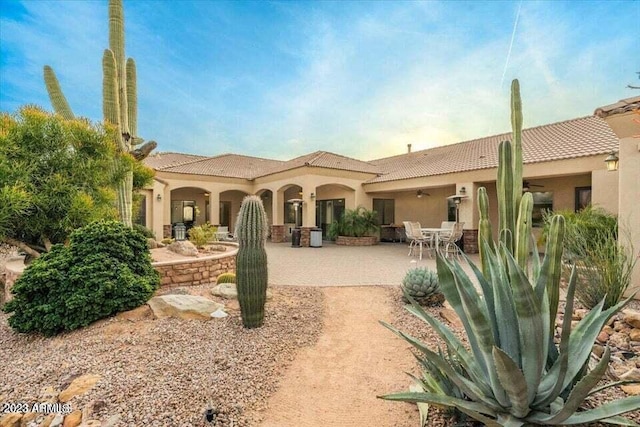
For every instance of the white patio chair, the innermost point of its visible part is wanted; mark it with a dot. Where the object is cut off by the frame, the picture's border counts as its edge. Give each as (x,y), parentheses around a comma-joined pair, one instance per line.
(418,238)
(448,242)
(223,233)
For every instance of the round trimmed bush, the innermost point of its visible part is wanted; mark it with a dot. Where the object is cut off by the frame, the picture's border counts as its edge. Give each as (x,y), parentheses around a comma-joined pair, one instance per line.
(226,278)
(105,269)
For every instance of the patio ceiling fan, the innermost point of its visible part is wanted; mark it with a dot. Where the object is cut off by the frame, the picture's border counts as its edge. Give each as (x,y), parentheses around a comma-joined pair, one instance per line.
(526,186)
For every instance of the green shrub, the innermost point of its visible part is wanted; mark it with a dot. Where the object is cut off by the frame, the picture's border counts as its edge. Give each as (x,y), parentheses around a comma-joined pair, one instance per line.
(203,234)
(105,269)
(146,232)
(603,262)
(226,278)
(357,222)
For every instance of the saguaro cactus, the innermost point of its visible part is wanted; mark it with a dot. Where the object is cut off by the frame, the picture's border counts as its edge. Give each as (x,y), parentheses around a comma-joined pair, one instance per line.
(251,261)
(119,103)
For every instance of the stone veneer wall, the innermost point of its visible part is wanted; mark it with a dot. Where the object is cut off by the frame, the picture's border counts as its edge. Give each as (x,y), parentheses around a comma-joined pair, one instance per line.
(190,272)
(357,241)
(166,231)
(278,234)
(470,241)
(305,236)
(196,271)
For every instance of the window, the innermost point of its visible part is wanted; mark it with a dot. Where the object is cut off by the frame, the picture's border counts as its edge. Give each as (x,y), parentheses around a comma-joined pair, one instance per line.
(225,213)
(385,210)
(542,201)
(583,198)
(451,210)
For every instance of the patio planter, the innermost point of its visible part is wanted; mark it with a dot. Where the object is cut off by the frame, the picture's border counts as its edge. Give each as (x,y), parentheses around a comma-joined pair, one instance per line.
(357,241)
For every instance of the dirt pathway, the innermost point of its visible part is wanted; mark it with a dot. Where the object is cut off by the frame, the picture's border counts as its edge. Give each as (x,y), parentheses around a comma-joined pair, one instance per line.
(335,383)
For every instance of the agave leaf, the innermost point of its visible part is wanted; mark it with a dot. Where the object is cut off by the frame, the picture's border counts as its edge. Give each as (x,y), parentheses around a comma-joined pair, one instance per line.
(447,336)
(487,293)
(613,384)
(504,305)
(513,381)
(423,407)
(508,420)
(581,390)
(530,323)
(488,422)
(620,421)
(449,289)
(468,387)
(552,383)
(608,411)
(473,307)
(440,400)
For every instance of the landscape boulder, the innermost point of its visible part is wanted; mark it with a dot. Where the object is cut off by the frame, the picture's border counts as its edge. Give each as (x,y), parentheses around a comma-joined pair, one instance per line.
(183,307)
(230,291)
(183,247)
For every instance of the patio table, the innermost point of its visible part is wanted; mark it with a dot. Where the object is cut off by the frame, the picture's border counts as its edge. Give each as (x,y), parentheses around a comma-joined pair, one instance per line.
(435,232)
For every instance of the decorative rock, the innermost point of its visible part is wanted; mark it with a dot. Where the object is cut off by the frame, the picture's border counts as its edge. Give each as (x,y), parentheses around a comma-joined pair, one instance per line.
(632,374)
(579,314)
(634,334)
(603,337)
(598,350)
(183,247)
(27,418)
(450,316)
(73,419)
(151,243)
(57,421)
(10,420)
(140,313)
(619,340)
(49,395)
(218,314)
(230,291)
(78,387)
(48,420)
(92,423)
(608,329)
(183,307)
(632,317)
(631,389)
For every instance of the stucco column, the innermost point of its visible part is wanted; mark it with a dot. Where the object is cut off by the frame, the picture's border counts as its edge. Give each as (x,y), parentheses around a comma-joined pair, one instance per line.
(624,119)
(214,207)
(308,207)
(156,209)
(278,207)
(468,210)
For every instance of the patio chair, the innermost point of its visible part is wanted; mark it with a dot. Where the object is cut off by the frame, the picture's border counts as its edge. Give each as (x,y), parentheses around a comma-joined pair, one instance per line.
(414,233)
(223,233)
(448,242)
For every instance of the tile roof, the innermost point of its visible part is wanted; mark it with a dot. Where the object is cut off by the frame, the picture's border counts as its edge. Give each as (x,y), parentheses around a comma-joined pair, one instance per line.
(324,159)
(225,165)
(621,106)
(162,160)
(585,136)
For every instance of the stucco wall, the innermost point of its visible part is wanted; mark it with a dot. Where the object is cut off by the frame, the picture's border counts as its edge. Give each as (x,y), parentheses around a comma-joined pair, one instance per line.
(429,210)
(604,191)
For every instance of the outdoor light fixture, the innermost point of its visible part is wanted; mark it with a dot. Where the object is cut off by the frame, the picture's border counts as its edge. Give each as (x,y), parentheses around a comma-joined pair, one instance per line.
(463,190)
(419,194)
(180,231)
(313,195)
(159,197)
(206,194)
(612,162)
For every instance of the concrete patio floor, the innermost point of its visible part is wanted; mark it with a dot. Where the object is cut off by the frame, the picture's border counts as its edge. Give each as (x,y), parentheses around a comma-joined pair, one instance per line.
(332,265)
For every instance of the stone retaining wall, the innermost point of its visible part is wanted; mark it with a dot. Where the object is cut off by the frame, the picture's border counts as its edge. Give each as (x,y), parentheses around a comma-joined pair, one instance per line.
(357,241)
(277,234)
(196,271)
(470,241)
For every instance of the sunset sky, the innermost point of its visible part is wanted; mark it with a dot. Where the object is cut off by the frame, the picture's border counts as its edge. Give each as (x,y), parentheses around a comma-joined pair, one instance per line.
(362,79)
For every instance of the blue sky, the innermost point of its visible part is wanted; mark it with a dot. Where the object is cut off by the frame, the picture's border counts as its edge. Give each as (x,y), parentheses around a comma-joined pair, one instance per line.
(362,79)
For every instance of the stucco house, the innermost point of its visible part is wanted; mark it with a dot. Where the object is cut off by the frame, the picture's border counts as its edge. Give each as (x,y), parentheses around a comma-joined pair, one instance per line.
(564,168)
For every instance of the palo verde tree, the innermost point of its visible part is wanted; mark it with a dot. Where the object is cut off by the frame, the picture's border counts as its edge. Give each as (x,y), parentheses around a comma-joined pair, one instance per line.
(119,105)
(56,175)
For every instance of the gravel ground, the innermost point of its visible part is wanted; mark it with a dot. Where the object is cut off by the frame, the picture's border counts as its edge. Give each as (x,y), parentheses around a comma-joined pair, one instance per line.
(410,324)
(164,372)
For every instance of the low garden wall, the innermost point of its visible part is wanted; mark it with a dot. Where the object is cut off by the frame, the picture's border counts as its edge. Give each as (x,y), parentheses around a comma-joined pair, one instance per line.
(197,271)
(188,272)
(357,241)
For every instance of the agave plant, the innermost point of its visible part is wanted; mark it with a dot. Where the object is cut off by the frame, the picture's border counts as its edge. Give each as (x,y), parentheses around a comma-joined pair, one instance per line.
(514,373)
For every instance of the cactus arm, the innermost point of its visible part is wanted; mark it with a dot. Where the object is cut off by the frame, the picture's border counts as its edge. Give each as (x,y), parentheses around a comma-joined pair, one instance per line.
(143,152)
(505,195)
(523,231)
(132,99)
(116,44)
(516,125)
(110,102)
(58,100)
(484,227)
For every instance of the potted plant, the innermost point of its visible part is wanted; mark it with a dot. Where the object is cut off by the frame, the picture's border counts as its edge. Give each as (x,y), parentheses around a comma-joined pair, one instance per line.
(357,227)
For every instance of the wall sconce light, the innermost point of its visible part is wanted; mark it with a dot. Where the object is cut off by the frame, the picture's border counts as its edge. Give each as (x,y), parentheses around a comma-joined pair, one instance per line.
(612,162)
(313,195)
(206,194)
(159,197)
(419,194)
(463,190)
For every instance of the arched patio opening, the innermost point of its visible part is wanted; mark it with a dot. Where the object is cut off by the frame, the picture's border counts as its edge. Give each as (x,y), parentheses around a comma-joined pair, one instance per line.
(266,196)
(331,201)
(190,206)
